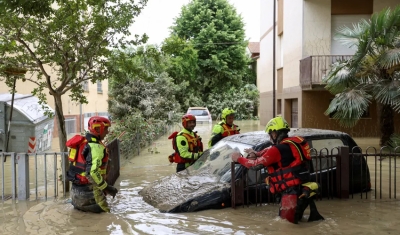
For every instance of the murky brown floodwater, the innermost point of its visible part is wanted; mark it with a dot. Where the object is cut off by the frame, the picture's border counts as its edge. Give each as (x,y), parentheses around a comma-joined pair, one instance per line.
(130,215)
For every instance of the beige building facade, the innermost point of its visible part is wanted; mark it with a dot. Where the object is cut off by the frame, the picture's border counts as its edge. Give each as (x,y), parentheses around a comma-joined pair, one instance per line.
(75,114)
(305,48)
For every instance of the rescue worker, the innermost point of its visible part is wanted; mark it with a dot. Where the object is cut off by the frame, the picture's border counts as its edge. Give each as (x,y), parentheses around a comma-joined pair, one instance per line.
(287,164)
(224,128)
(186,143)
(88,171)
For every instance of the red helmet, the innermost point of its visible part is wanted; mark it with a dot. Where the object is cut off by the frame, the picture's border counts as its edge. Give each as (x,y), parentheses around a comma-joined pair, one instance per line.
(97,121)
(186,118)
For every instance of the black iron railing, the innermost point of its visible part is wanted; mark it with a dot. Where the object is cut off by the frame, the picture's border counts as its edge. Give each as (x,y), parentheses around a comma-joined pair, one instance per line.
(341,173)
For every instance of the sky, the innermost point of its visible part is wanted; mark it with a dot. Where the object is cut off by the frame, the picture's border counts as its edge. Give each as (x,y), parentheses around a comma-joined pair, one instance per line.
(158,16)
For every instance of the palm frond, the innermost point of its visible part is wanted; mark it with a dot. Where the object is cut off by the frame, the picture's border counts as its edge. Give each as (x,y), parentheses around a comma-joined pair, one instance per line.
(387,92)
(394,141)
(349,106)
(396,98)
(340,77)
(389,59)
(365,47)
(378,22)
(350,36)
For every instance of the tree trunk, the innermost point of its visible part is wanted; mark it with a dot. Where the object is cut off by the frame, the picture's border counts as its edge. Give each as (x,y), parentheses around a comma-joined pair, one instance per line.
(386,123)
(62,134)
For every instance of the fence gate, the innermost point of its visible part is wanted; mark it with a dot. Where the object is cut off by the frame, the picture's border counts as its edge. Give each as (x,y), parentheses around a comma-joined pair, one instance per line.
(45,173)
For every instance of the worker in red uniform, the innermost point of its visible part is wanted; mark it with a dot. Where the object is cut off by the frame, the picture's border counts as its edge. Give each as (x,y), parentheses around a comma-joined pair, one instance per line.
(287,164)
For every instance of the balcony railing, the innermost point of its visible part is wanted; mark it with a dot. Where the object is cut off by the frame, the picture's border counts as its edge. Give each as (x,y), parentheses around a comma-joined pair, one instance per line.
(314,68)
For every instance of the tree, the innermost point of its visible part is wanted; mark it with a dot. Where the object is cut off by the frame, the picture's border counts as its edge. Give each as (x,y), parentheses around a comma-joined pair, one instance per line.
(27,7)
(216,32)
(182,65)
(142,95)
(72,42)
(243,100)
(372,74)
(138,82)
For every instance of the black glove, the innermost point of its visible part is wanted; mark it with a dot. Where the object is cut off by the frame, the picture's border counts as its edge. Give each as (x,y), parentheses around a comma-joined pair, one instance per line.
(216,138)
(110,190)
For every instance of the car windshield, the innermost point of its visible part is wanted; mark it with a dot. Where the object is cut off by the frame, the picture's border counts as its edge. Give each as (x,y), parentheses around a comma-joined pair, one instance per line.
(198,112)
(217,160)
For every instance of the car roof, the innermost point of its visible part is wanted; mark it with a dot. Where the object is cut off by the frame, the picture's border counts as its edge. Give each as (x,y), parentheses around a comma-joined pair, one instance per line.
(257,137)
(197,107)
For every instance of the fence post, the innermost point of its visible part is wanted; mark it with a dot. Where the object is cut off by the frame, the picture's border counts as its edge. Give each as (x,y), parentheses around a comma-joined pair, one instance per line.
(233,184)
(342,172)
(23,176)
(13,176)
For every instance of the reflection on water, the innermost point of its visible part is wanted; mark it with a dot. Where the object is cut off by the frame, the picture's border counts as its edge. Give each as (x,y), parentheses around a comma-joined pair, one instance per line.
(131,215)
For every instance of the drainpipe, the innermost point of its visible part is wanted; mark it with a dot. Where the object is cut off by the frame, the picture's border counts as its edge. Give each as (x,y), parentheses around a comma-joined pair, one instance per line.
(273,59)
(80,118)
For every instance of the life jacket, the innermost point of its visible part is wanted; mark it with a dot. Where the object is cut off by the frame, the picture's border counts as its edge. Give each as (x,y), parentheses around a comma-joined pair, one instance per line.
(78,160)
(229,130)
(293,169)
(195,146)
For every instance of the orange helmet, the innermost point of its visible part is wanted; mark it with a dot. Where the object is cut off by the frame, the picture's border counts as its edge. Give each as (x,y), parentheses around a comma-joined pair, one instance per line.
(97,121)
(186,118)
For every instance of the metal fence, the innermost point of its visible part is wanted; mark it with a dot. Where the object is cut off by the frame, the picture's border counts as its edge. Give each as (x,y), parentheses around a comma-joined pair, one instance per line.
(340,172)
(43,175)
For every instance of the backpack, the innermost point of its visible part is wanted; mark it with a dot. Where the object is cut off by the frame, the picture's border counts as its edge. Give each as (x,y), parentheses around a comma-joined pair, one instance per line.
(304,151)
(74,145)
(175,157)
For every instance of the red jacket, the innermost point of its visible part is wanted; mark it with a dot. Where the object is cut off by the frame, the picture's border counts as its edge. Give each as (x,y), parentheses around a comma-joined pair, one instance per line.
(286,163)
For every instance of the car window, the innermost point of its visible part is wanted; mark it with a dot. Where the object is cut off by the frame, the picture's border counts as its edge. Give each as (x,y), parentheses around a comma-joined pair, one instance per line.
(217,160)
(198,112)
(324,147)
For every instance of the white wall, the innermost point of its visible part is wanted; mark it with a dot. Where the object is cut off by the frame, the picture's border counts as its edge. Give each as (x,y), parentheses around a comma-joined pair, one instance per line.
(292,41)
(264,63)
(317,27)
(339,21)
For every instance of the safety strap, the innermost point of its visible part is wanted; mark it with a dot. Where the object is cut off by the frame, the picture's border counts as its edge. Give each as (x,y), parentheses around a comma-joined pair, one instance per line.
(298,147)
(287,170)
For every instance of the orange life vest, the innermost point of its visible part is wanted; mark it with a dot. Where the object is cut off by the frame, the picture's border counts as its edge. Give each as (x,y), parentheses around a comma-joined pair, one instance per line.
(78,160)
(195,146)
(293,169)
(229,130)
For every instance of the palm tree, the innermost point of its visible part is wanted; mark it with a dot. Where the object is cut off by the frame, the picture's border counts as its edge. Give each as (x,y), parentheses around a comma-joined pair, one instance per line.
(372,74)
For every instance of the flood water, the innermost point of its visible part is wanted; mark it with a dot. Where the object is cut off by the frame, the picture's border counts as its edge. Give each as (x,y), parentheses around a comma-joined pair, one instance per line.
(131,215)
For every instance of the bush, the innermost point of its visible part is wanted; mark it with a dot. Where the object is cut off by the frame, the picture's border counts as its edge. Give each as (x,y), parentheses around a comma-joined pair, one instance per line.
(135,132)
(244,101)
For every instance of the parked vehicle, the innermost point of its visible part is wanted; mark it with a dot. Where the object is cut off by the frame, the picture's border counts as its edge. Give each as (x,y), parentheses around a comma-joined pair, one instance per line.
(207,183)
(201,113)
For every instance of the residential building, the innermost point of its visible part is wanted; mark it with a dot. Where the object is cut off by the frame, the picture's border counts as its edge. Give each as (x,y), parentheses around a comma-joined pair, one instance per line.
(76,115)
(305,48)
(253,51)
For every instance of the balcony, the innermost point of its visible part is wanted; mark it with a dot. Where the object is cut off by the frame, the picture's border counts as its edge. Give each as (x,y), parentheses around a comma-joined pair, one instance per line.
(314,68)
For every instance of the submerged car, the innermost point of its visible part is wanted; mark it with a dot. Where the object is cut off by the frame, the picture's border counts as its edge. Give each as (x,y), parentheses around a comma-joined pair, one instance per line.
(201,113)
(207,183)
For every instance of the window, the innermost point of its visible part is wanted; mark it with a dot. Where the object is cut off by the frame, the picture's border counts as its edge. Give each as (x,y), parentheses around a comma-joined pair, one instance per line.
(279,107)
(99,87)
(85,86)
(280,17)
(70,125)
